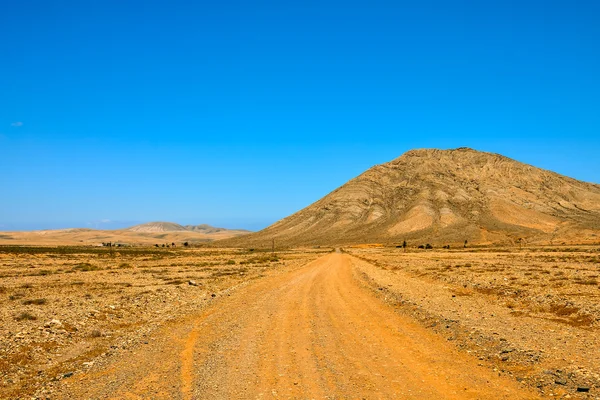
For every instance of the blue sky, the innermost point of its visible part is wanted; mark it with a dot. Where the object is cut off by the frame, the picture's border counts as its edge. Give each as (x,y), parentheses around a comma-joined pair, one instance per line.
(241,113)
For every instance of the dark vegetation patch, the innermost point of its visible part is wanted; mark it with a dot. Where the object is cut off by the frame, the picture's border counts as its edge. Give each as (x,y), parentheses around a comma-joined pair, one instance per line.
(25,316)
(260,260)
(86,267)
(37,302)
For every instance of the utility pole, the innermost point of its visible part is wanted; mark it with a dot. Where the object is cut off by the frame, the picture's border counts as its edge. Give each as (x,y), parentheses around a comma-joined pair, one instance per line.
(273,246)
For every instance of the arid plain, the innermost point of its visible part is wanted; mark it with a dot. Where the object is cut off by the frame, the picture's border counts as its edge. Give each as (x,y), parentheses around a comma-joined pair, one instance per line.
(362,321)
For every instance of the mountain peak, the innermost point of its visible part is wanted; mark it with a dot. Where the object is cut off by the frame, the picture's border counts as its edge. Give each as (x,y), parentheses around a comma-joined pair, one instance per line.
(446,196)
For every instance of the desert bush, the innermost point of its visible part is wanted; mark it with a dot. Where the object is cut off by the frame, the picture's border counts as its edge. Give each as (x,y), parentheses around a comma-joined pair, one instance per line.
(85,267)
(37,302)
(96,333)
(25,316)
(230,262)
(175,282)
(16,296)
(563,310)
(260,260)
(591,282)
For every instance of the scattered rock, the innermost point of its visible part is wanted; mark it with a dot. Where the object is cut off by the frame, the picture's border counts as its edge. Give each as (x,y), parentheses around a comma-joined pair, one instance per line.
(583,389)
(54,324)
(192,283)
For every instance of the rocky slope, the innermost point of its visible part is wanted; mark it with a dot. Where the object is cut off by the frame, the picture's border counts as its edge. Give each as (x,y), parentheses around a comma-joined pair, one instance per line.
(445,197)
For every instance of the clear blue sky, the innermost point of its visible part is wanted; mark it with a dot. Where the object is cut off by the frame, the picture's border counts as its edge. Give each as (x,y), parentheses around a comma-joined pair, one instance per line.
(241,113)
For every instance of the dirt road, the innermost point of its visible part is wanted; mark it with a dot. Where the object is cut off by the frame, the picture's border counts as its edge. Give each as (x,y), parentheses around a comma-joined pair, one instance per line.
(313,333)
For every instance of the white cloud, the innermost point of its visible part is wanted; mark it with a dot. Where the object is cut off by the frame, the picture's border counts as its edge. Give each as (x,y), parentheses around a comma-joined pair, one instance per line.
(17,124)
(105,221)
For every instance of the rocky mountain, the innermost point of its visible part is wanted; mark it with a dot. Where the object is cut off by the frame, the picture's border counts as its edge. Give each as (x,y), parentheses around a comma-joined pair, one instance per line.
(445,197)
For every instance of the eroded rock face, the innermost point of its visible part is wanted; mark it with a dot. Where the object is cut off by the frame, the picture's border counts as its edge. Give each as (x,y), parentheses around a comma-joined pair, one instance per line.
(446,196)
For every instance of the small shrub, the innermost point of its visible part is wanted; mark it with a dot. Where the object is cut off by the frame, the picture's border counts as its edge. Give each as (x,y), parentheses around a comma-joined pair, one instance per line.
(16,296)
(25,316)
(85,267)
(125,265)
(96,333)
(260,260)
(591,282)
(230,262)
(37,302)
(175,282)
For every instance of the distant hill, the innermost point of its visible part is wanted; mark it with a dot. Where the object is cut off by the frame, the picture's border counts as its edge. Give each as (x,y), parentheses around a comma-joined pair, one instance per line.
(173,227)
(445,197)
(157,227)
(207,229)
(149,233)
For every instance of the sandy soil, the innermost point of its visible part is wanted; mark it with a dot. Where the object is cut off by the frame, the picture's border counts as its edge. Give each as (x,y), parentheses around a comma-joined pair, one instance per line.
(357,323)
(65,310)
(532,314)
(311,333)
